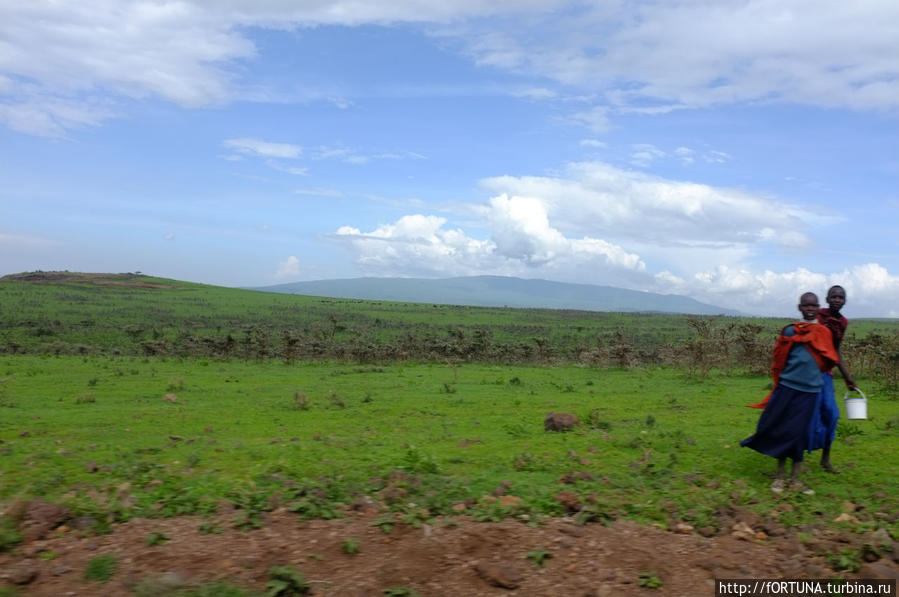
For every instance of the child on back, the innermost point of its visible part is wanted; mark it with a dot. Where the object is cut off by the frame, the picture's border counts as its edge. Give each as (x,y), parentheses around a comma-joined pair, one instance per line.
(824,423)
(803,350)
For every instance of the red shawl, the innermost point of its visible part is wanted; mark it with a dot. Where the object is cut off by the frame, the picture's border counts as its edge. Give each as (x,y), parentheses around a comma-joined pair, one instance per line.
(836,324)
(819,342)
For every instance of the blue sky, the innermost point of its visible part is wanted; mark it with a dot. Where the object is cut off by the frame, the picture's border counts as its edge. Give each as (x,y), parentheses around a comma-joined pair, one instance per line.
(737,152)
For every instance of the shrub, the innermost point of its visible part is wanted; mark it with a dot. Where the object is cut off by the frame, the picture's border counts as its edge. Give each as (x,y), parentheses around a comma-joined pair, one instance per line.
(101,568)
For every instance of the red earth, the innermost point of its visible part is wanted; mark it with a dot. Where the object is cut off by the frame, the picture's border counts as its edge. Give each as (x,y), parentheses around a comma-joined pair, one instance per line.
(452,557)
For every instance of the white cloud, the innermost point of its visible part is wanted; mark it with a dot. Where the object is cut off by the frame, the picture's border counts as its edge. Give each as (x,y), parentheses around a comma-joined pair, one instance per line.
(82,62)
(685,155)
(592,143)
(630,207)
(259,148)
(288,268)
(295,170)
(596,119)
(353,156)
(656,56)
(536,93)
(170,236)
(318,192)
(645,154)
(599,224)
(715,157)
(521,242)
(871,289)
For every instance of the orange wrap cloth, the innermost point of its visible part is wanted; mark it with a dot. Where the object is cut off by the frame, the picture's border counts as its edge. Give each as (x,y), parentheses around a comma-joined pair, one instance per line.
(816,337)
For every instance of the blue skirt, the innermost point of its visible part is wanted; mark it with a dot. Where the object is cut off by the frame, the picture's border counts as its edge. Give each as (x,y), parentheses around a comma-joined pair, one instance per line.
(783,427)
(823,427)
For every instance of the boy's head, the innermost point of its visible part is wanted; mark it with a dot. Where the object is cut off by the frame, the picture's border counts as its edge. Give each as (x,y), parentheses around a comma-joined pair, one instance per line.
(836,298)
(808,306)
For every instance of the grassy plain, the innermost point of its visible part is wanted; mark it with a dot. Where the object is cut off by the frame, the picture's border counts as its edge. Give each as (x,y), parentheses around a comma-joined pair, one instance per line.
(96,434)
(312,404)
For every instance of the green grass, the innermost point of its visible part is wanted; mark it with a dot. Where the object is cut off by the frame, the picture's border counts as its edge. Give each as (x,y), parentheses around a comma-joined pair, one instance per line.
(101,567)
(658,444)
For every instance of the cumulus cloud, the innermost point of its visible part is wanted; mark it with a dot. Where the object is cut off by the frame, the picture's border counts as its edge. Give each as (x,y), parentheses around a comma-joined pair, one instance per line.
(596,223)
(522,242)
(870,288)
(595,197)
(289,268)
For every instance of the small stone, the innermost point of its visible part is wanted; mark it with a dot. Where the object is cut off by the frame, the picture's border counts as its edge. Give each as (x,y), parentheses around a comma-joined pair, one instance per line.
(560,422)
(22,574)
(498,575)
(683,528)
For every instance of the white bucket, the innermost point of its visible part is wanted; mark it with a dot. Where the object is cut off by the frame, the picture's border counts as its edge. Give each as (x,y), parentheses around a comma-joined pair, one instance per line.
(856,406)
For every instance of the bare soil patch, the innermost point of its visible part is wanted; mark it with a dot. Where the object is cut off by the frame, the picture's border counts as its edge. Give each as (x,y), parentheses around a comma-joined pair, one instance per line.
(453,557)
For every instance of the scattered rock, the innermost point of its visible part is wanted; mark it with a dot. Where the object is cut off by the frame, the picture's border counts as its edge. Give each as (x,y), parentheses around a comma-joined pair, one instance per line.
(392,495)
(170,398)
(23,573)
(569,500)
(743,531)
(575,476)
(682,528)
(499,575)
(366,503)
(879,570)
(40,518)
(560,422)
(92,467)
(844,517)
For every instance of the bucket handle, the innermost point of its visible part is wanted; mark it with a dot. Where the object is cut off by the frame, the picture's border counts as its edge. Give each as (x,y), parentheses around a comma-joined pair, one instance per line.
(847,397)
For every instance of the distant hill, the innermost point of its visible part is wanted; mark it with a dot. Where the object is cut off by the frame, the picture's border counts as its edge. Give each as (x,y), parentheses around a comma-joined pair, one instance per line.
(498,291)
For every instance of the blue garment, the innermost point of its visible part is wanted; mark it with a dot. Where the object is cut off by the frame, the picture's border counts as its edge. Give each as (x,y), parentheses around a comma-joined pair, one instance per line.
(823,426)
(801,371)
(782,430)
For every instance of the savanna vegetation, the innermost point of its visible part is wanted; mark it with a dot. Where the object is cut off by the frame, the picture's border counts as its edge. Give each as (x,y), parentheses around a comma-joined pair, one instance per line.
(126,395)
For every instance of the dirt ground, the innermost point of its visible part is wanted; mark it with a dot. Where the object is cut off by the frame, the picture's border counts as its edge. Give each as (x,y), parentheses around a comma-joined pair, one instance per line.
(453,557)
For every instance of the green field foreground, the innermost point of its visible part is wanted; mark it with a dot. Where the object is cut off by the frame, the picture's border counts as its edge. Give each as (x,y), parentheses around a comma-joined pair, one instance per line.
(98,434)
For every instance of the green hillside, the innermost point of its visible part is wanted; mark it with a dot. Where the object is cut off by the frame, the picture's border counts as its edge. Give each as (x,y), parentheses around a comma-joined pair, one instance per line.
(134,314)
